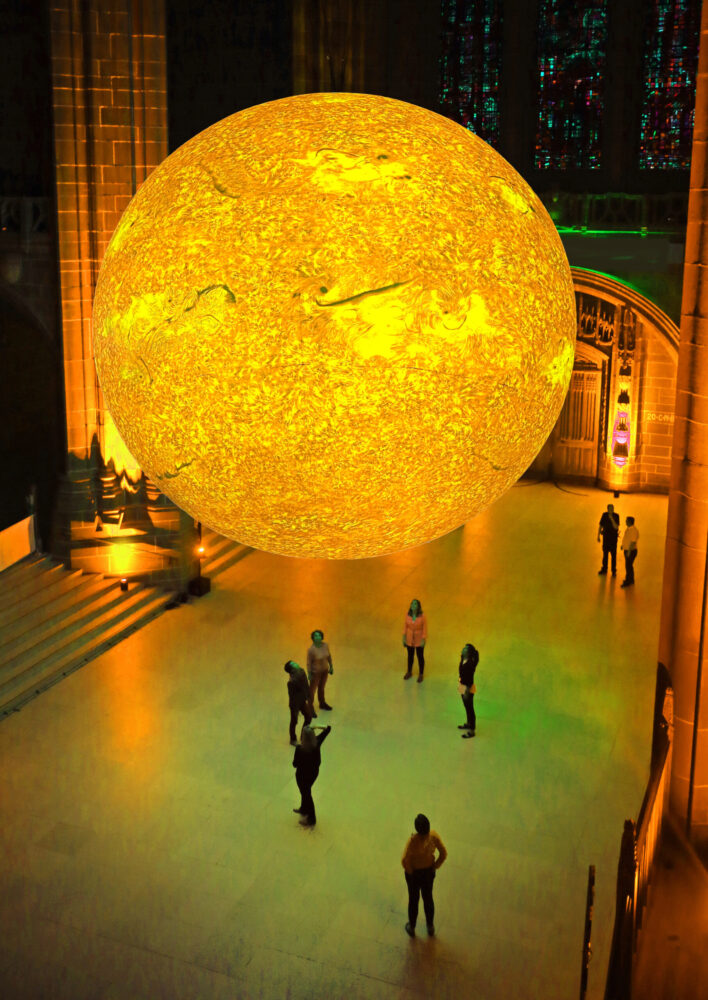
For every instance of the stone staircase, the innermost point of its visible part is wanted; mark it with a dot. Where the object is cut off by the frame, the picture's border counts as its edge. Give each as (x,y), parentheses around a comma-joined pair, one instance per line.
(54,620)
(220,553)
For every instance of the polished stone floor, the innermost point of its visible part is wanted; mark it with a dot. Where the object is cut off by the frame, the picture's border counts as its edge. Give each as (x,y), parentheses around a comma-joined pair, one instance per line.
(148,845)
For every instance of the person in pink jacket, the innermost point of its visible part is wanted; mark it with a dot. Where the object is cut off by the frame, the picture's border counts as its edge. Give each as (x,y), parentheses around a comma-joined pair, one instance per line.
(415,632)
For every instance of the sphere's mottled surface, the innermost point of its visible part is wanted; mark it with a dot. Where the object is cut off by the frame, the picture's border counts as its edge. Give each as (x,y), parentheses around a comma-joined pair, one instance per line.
(334,325)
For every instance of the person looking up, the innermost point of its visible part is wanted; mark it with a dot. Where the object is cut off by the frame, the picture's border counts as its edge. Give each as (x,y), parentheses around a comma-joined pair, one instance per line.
(319,667)
(415,633)
(298,697)
(306,761)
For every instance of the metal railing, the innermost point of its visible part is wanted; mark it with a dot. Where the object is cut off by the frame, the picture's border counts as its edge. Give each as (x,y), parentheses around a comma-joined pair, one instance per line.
(638,849)
(611,211)
(618,212)
(587,935)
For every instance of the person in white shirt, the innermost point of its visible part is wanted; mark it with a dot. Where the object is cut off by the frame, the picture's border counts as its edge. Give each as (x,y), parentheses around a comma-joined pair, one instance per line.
(629,549)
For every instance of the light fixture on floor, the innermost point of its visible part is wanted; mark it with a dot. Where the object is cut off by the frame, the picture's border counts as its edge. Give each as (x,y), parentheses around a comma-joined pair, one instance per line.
(199,585)
(123,584)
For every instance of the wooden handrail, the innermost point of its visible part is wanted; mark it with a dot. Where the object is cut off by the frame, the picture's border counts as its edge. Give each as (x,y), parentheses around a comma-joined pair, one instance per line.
(639,846)
(587,936)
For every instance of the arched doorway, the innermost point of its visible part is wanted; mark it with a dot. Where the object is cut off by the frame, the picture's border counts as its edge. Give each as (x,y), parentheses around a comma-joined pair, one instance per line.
(575,438)
(31,427)
(615,428)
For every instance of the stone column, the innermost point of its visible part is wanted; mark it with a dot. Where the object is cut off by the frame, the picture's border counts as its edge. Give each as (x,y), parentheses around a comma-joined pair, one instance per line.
(109,95)
(110,130)
(328,46)
(682,640)
(367,47)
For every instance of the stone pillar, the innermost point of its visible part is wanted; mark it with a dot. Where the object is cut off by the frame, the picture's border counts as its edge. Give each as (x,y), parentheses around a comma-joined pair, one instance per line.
(328,46)
(389,48)
(682,640)
(110,131)
(109,97)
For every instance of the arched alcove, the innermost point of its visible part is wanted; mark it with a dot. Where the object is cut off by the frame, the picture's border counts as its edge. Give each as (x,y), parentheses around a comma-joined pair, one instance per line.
(31,425)
(616,426)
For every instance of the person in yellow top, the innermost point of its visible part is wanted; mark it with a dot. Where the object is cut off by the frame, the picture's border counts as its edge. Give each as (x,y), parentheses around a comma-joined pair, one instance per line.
(420,865)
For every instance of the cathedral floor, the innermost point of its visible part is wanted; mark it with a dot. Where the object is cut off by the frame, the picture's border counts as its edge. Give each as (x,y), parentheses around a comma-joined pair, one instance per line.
(148,844)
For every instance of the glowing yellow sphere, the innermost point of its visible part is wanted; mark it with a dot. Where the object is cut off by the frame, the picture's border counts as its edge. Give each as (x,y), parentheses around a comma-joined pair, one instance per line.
(334,325)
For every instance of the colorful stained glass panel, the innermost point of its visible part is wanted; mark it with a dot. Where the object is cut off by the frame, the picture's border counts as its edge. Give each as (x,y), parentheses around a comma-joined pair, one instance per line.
(470,65)
(669,84)
(572,46)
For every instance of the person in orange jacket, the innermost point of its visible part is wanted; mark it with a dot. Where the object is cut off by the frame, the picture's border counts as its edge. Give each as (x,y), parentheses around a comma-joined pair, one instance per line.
(415,632)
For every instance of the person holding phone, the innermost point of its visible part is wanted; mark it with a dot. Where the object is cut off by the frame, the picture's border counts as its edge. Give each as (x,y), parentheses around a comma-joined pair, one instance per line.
(469,659)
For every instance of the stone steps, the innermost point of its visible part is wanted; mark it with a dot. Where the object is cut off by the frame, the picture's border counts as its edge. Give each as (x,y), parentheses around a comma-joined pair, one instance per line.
(47,602)
(79,605)
(221,553)
(61,620)
(21,569)
(36,586)
(55,620)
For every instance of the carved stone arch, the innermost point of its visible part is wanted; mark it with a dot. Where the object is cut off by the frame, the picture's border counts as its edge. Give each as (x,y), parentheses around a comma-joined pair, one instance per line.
(616,425)
(643,359)
(587,354)
(626,349)
(574,443)
(622,297)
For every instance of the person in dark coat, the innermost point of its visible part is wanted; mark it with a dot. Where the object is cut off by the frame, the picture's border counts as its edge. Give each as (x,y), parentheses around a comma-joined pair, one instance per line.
(306,761)
(298,697)
(608,529)
(468,664)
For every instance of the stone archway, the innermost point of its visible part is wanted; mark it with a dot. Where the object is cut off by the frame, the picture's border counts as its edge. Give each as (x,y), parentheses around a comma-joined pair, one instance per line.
(616,426)
(575,443)
(31,430)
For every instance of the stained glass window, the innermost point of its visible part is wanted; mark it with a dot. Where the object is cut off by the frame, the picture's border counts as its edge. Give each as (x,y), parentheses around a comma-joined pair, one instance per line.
(669,84)
(572,45)
(470,65)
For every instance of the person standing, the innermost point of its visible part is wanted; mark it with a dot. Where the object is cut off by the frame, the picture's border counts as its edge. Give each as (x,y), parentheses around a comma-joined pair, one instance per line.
(415,632)
(306,761)
(608,529)
(419,864)
(319,667)
(33,514)
(629,548)
(298,697)
(468,664)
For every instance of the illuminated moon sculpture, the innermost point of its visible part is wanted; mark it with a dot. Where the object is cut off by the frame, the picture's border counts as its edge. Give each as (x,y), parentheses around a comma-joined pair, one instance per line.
(334,325)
